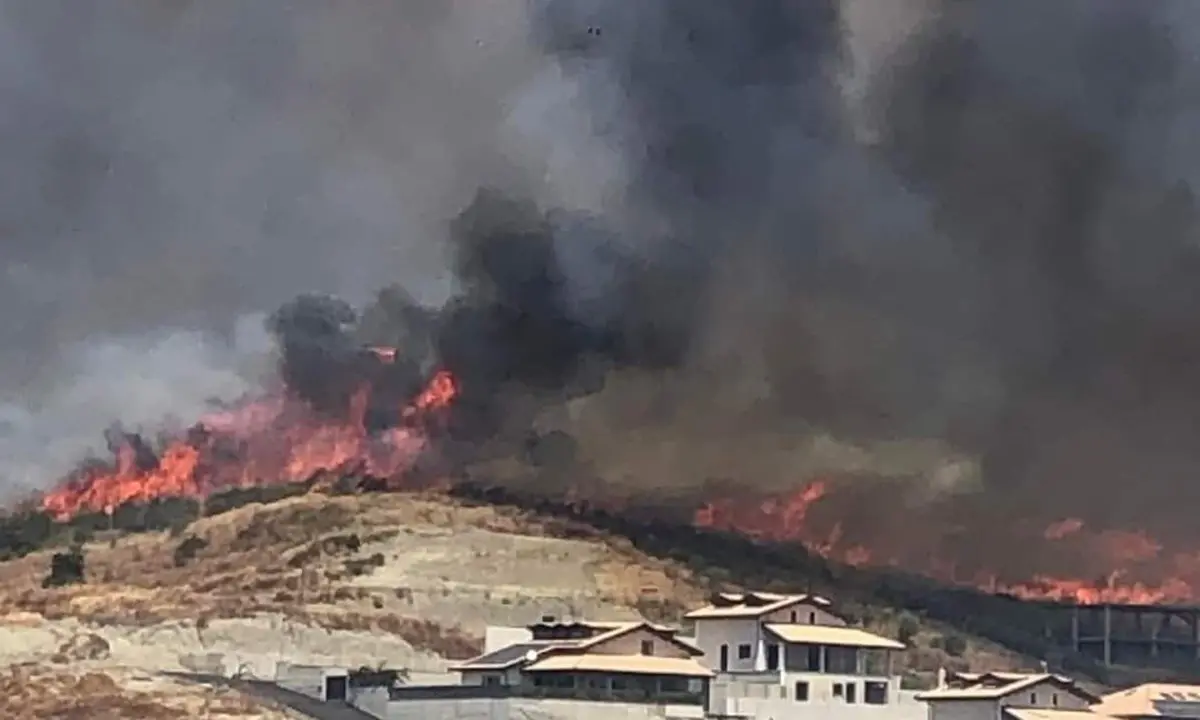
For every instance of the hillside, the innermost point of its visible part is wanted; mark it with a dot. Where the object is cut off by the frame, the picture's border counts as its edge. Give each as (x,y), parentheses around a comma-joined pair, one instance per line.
(396,579)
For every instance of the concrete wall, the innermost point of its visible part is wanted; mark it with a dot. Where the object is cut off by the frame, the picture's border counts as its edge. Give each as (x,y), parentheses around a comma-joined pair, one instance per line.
(530,709)
(305,679)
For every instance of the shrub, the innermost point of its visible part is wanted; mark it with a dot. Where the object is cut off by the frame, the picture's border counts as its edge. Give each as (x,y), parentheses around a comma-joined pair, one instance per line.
(186,551)
(954,645)
(909,627)
(66,568)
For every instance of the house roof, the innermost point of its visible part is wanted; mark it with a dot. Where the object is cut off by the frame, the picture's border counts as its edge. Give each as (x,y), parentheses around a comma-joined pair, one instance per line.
(993,686)
(506,657)
(1147,700)
(1052,714)
(751,605)
(831,635)
(631,664)
(512,655)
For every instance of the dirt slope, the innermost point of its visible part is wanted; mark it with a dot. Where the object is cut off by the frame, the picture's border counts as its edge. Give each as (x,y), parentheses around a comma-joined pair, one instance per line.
(381,579)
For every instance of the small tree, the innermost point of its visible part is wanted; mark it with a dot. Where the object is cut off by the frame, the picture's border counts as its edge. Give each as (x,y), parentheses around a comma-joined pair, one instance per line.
(66,568)
(954,645)
(909,627)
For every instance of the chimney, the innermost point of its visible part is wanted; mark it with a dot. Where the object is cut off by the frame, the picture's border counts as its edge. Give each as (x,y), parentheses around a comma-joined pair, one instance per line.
(941,678)
(1045,667)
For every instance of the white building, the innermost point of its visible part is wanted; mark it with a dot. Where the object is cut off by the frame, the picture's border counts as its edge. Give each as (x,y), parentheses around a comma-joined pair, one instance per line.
(1008,696)
(794,655)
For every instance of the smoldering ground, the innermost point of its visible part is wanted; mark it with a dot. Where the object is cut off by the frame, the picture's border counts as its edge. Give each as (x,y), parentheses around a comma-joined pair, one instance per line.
(944,243)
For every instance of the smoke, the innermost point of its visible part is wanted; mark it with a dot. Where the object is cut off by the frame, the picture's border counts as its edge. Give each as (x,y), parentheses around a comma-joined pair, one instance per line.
(176,170)
(948,244)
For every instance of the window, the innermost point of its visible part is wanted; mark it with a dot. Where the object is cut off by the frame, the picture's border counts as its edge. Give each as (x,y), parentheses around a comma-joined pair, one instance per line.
(875,693)
(801,692)
(724,658)
(794,616)
(743,652)
(772,657)
(647,647)
(812,618)
(673,684)
(851,693)
(491,680)
(837,690)
(1054,699)
(1033,698)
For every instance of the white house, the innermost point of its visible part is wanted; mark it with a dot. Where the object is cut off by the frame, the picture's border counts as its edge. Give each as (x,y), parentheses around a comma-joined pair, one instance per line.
(766,648)
(1008,696)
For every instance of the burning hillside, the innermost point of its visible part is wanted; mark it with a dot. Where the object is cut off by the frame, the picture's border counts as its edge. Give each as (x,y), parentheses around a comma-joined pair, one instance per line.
(792,265)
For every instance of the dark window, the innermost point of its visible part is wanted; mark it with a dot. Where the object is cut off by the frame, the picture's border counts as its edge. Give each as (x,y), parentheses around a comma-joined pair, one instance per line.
(743,652)
(837,690)
(801,692)
(875,693)
(336,687)
(724,658)
(491,680)
(772,657)
(1033,698)
(814,658)
(812,618)
(673,684)
(1054,699)
(647,647)
(793,616)
(851,692)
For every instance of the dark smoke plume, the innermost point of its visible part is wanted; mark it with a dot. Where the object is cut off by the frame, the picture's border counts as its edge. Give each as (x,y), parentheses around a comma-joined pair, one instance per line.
(943,250)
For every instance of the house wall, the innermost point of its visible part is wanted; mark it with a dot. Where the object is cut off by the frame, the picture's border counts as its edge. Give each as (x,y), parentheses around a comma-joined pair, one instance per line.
(712,633)
(631,644)
(511,676)
(964,710)
(1045,695)
(771,701)
(305,679)
(497,637)
(525,709)
(805,613)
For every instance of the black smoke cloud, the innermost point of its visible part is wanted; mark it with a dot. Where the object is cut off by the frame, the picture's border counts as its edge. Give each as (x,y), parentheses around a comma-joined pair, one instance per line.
(948,245)
(961,257)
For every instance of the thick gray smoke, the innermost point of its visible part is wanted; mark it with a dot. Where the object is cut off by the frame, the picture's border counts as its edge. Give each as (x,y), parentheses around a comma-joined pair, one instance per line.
(947,242)
(174,170)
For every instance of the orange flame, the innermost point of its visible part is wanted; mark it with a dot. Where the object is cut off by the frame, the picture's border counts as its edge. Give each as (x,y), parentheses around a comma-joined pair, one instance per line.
(276,440)
(1144,572)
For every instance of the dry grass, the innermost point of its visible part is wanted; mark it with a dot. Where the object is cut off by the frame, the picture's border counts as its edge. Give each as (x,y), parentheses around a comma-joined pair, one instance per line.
(33,693)
(295,557)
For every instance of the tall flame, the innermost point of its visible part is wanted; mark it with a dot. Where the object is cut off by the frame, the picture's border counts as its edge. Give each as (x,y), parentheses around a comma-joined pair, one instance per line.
(275,440)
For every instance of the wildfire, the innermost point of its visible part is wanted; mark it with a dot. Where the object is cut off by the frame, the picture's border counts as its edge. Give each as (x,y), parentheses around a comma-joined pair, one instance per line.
(1148,574)
(270,441)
